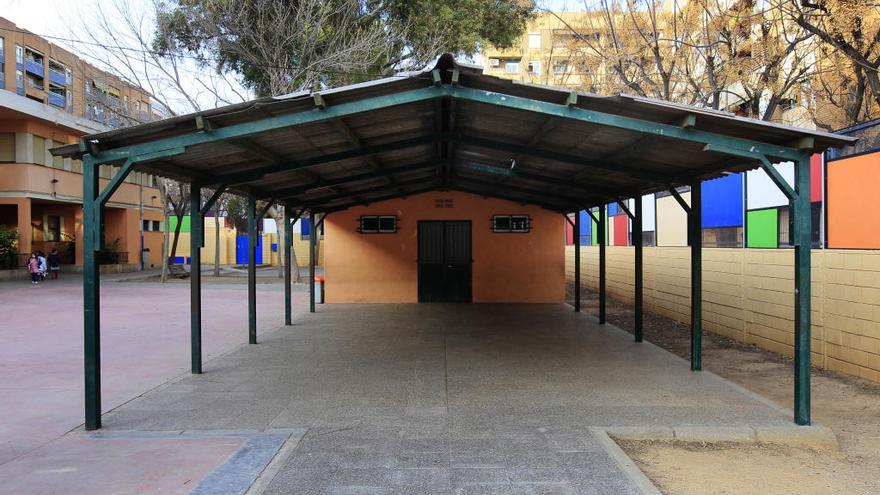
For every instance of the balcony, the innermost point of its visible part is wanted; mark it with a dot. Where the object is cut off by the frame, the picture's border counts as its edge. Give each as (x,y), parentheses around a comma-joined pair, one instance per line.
(56,99)
(35,67)
(57,77)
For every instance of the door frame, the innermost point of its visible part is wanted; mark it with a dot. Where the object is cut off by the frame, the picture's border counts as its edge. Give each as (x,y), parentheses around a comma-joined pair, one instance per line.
(419,254)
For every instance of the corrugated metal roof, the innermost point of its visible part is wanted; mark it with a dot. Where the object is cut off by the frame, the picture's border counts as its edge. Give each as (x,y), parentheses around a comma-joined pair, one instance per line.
(450,143)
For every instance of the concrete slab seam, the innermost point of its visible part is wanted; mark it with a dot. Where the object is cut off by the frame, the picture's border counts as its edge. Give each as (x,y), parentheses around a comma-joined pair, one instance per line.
(241,469)
(273,467)
(625,463)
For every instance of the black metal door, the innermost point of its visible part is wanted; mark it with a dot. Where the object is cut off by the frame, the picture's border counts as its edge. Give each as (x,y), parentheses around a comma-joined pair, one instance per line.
(445,261)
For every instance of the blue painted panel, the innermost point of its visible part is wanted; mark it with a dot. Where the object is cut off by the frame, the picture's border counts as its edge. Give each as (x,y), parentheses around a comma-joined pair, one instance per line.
(612,209)
(723,202)
(586,227)
(241,254)
(305,227)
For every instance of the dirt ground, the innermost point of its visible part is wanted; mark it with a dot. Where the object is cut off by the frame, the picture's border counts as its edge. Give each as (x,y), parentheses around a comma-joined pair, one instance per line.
(849,406)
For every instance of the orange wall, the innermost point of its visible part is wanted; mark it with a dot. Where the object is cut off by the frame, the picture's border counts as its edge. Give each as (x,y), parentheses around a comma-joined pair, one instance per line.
(382,268)
(853,203)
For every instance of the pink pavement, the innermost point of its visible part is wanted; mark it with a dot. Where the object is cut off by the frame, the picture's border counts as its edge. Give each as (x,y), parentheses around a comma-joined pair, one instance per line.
(144,343)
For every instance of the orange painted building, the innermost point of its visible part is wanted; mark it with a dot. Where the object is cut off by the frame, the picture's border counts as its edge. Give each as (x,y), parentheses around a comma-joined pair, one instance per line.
(526,265)
(49,98)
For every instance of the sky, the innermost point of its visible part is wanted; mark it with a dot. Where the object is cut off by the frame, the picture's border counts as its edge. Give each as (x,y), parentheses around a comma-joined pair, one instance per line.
(50,18)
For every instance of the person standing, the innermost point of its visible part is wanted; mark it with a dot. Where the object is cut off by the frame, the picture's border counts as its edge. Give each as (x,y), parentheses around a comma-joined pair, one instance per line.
(54,263)
(41,260)
(33,267)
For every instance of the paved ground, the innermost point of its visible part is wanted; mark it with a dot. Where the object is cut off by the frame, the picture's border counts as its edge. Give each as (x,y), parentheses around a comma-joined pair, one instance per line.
(441,399)
(145,342)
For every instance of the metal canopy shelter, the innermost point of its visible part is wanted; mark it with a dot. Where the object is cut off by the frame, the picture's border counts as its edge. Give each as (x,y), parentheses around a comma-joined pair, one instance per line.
(448,127)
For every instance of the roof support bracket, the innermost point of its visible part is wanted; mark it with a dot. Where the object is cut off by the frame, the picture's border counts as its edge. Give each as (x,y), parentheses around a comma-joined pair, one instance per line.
(213,199)
(688,121)
(592,215)
(768,167)
(265,209)
(568,219)
(686,207)
(622,204)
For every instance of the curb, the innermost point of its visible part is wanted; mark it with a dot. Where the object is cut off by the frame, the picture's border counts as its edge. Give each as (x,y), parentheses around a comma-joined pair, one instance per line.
(819,437)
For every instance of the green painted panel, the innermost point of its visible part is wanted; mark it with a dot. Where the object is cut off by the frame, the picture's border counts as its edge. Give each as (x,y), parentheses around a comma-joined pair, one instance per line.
(762,228)
(594,232)
(172,224)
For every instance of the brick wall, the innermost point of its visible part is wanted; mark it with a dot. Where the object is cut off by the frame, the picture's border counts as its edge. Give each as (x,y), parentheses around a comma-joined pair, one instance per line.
(748,295)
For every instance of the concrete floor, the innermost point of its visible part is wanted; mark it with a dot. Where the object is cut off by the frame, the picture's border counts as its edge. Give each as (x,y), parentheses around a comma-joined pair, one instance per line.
(444,399)
(145,343)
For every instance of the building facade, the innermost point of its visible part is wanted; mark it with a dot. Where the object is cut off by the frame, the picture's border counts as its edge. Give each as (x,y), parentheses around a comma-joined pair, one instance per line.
(50,98)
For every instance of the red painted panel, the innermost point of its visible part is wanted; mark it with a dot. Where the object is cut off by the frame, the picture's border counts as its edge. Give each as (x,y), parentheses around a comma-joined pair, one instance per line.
(621,230)
(816,178)
(569,234)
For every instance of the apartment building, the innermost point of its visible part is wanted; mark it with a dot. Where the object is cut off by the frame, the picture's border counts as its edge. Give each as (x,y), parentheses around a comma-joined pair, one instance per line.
(48,98)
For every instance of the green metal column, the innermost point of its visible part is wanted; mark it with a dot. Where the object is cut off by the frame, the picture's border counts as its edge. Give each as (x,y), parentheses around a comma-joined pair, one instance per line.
(695,232)
(639,289)
(602,241)
(577,261)
(91,294)
(802,240)
(313,241)
(288,243)
(197,231)
(252,270)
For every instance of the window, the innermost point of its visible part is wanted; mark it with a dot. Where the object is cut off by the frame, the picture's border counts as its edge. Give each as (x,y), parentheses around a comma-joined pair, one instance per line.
(19,55)
(511,223)
(39,150)
(378,224)
(7,147)
(535,40)
(57,161)
(511,67)
(152,225)
(784,227)
(816,214)
(53,228)
(535,67)
(723,237)
(560,67)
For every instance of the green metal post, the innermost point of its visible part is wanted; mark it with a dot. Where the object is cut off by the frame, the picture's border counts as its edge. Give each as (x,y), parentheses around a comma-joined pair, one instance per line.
(802,239)
(252,270)
(577,261)
(602,241)
(639,289)
(91,294)
(288,243)
(313,236)
(197,231)
(695,231)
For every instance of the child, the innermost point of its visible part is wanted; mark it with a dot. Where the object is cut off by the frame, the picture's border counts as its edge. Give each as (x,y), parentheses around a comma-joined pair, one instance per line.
(33,266)
(41,260)
(54,264)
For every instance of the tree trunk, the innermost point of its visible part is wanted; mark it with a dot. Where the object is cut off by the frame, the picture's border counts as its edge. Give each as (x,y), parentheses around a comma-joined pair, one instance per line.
(216,245)
(179,216)
(164,276)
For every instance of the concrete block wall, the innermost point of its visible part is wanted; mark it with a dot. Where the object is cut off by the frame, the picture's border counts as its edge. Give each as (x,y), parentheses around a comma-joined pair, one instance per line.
(748,295)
